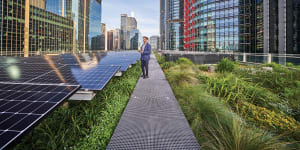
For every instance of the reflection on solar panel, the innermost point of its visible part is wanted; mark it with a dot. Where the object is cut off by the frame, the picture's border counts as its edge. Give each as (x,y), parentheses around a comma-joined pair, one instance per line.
(89,77)
(31,87)
(124,59)
(22,105)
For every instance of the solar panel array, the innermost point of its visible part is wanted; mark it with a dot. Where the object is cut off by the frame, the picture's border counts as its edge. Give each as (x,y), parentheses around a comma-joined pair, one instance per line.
(22,105)
(31,87)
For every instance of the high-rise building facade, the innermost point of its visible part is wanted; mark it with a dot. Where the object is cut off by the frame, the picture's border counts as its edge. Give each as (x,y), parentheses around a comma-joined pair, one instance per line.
(211,25)
(86,15)
(134,39)
(29,27)
(110,41)
(128,25)
(116,39)
(289,26)
(154,42)
(174,37)
(258,26)
(12,42)
(131,23)
(162,25)
(123,26)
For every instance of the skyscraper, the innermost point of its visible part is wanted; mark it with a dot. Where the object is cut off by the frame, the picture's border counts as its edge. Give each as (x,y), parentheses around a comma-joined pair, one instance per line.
(127,25)
(27,28)
(48,26)
(86,15)
(123,30)
(260,26)
(289,26)
(110,41)
(174,37)
(131,23)
(162,24)
(154,41)
(211,25)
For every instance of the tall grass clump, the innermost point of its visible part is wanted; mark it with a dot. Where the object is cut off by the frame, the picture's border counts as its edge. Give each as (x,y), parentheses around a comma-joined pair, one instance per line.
(182,75)
(282,81)
(184,61)
(167,65)
(226,65)
(212,121)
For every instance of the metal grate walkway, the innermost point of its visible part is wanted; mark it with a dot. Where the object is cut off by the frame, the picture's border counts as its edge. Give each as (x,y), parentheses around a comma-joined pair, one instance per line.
(153,118)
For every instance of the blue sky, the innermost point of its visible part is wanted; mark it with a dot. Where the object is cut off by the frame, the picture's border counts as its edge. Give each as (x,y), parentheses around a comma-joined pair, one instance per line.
(145,11)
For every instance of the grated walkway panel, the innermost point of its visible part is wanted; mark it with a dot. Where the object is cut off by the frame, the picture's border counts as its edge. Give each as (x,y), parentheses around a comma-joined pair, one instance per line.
(153,119)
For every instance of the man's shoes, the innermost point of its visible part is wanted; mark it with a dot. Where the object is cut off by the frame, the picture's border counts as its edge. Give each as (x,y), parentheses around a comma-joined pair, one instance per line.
(142,75)
(147,76)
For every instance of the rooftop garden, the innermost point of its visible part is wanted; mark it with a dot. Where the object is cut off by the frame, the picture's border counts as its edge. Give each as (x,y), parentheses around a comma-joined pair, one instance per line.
(233,106)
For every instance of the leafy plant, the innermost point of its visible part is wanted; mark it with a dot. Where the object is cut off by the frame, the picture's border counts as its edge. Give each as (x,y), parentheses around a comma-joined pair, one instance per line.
(226,65)
(184,61)
(213,123)
(167,65)
(203,67)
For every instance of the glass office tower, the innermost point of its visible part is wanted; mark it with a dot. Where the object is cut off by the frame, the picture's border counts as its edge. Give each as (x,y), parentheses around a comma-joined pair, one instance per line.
(212,25)
(12,19)
(30,27)
(93,22)
(289,26)
(27,28)
(86,17)
(174,25)
(162,24)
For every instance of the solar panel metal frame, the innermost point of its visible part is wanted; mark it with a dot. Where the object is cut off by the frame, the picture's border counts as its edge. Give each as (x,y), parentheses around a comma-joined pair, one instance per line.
(40,116)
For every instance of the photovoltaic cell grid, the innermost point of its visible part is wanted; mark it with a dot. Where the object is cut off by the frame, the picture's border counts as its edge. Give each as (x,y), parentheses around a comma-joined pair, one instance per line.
(94,78)
(124,59)
(23,105)
(88,76)
(31,87)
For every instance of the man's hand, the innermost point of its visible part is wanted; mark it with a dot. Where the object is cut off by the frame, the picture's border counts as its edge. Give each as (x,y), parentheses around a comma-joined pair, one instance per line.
(140,51)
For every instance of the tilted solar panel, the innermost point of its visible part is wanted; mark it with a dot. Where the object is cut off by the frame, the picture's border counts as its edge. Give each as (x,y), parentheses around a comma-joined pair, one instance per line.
(22,105)
(88,76)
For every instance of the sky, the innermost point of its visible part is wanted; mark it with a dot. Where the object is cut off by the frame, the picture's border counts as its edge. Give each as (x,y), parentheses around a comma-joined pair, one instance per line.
(145,11)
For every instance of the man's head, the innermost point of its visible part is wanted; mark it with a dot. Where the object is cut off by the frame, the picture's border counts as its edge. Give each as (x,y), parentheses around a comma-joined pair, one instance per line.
(145,39)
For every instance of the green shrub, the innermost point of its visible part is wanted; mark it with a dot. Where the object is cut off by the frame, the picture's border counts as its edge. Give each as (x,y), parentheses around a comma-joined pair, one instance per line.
(216,126)
(182,75)
(184,61)
(271,120)
(203,67)
(226,65)
(167,65)
(161,60)
(281,81)
(234,90)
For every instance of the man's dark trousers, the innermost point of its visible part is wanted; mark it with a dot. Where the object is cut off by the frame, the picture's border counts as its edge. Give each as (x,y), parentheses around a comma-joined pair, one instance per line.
(144,65)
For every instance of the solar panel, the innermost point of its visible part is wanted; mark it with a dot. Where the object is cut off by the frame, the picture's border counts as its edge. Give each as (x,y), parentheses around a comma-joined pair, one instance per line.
(22,105)
(20,72)
(123,58)
(91,70)
(90,77)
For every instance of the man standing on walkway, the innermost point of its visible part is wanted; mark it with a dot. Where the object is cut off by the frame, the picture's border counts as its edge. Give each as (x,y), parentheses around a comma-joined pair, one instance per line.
(145,57)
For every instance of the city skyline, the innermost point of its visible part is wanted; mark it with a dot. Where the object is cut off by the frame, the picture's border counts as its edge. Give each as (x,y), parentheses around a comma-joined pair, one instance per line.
(146,14)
